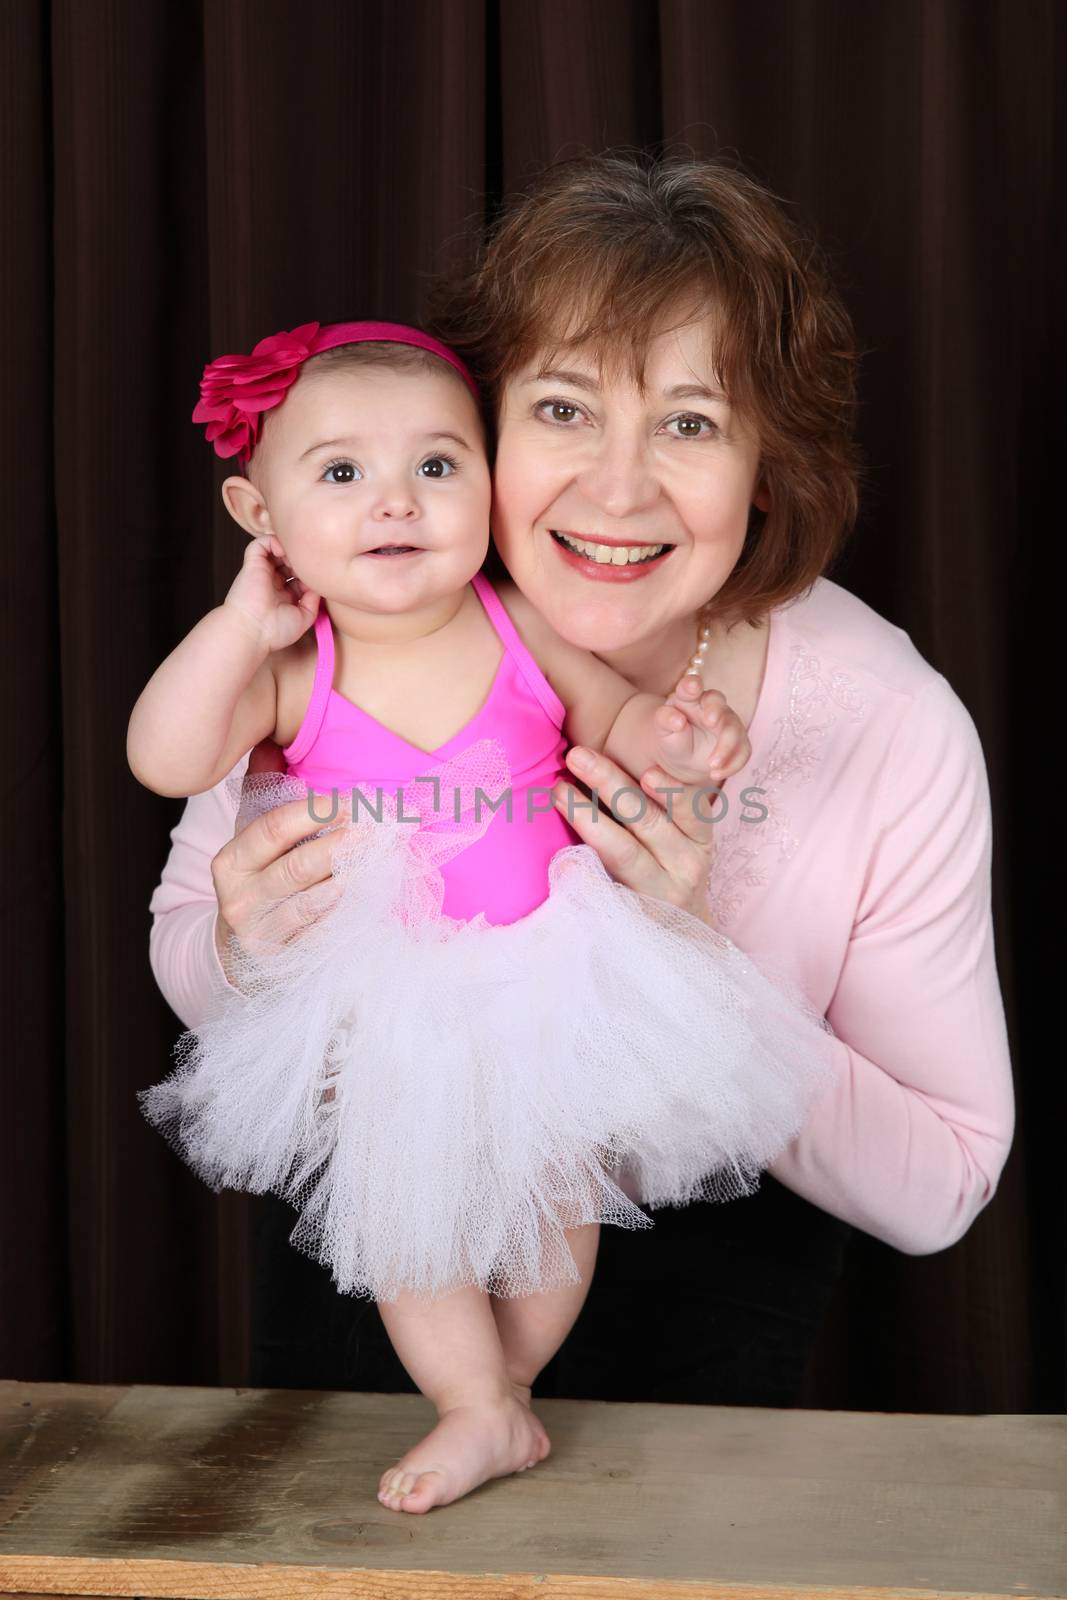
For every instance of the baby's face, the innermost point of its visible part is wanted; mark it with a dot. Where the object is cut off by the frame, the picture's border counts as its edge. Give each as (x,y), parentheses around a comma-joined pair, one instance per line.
(356,461)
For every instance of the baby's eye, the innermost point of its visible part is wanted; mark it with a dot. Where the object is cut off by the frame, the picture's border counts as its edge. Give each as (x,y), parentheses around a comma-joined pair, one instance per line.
(559,411)
(438,467)
(691,425)
(347,472)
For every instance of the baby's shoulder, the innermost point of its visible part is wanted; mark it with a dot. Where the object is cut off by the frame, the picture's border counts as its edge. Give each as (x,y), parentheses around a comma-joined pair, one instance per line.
(548,648)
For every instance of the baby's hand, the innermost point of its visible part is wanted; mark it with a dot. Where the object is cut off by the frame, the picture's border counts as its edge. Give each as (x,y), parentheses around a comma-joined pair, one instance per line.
(279,612)
(699,737)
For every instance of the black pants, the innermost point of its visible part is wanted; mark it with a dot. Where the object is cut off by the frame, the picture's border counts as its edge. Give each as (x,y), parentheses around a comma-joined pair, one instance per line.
(715,1305)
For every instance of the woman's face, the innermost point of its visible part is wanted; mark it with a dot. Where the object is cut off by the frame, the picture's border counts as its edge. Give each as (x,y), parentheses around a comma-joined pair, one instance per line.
(660,479)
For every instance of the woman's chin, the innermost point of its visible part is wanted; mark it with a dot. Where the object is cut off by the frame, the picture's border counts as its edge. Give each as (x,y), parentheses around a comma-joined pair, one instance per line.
(602,620)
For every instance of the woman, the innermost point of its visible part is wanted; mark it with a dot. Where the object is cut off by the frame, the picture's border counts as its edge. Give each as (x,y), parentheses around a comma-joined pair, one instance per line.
(670,371)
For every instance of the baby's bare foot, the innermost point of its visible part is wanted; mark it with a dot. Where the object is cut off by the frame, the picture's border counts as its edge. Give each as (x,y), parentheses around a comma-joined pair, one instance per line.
(469,1445)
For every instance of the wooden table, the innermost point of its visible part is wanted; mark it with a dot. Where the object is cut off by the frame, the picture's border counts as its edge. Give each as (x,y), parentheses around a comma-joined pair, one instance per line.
(257,1494)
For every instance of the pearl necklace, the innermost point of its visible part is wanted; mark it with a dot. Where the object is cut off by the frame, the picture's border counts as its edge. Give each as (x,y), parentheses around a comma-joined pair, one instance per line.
(696,663)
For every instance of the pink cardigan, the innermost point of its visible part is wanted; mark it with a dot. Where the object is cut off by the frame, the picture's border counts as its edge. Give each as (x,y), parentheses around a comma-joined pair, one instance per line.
(867,883)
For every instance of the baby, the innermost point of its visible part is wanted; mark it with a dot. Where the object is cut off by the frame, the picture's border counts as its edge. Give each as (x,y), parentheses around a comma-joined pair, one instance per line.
(361,636)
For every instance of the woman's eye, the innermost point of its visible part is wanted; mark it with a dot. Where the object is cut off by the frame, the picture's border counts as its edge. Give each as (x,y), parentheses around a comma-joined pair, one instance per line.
(347,472)
(438,467)
(557,410)
(691,426)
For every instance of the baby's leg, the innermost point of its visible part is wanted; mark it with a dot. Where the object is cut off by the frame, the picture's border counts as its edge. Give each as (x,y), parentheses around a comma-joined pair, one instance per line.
(532,1327)
(451,1349)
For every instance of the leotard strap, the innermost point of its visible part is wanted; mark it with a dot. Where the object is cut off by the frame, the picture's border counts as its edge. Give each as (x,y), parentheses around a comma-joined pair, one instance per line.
(320,693)
(509,638)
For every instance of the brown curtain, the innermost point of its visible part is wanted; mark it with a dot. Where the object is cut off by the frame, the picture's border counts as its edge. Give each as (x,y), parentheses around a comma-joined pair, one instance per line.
(175,182)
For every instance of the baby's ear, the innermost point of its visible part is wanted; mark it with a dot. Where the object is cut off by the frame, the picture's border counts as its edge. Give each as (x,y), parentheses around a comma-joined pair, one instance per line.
(246,506)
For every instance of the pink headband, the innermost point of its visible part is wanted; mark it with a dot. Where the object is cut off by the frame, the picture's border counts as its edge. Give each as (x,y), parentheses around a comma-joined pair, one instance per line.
(236,391)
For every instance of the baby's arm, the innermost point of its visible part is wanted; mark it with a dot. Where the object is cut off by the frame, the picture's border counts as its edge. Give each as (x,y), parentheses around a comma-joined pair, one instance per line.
(693,735)
(215,696)
(209,702)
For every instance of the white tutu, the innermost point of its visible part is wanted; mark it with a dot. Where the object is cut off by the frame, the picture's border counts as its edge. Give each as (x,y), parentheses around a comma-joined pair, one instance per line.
(441,1099)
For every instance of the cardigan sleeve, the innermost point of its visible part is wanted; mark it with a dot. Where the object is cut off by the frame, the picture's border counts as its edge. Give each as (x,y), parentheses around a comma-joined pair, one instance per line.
(909,1140)
(181,944)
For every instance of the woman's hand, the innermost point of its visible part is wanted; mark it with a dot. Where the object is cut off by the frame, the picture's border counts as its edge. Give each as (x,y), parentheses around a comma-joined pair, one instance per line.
(260,864)
(664,855)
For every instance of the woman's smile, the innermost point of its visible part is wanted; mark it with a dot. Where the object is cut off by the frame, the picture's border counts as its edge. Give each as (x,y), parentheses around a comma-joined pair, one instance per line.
(608,560)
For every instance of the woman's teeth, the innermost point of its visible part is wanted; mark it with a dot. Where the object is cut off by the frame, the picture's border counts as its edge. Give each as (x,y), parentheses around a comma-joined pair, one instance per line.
(611,555)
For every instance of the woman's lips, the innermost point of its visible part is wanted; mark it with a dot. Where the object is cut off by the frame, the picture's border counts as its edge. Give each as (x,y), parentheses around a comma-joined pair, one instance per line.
(606,571)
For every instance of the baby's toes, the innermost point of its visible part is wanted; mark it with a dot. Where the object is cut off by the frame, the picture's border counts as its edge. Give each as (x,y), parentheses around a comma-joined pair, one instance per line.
(424,1492)
(395,1483)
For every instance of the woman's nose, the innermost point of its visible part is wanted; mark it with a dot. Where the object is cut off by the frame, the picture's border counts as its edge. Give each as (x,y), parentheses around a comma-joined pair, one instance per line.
(619,478)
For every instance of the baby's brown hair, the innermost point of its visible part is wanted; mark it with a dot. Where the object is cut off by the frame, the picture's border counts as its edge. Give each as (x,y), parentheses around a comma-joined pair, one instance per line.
(594,254)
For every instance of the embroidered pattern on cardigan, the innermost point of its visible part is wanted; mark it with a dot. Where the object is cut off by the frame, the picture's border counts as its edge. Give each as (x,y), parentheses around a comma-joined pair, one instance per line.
(815,701)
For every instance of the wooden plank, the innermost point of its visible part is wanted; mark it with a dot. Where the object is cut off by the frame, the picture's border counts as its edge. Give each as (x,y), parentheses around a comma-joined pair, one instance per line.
(295,1583)
(41,1424)
(241,1493)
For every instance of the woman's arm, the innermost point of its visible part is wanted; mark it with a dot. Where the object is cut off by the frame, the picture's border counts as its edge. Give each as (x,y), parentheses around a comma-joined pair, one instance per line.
(910,1140)
(218,885)
(184,907)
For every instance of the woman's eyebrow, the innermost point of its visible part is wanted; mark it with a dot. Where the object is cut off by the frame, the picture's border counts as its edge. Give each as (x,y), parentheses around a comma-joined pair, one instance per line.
(677,391)
(693,391)
(577,380)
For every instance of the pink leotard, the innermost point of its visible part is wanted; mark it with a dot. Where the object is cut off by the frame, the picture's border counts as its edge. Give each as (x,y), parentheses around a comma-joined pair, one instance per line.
(503,874)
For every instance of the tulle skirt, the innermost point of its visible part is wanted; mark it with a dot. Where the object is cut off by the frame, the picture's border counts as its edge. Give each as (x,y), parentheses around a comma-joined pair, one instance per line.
(441,1100)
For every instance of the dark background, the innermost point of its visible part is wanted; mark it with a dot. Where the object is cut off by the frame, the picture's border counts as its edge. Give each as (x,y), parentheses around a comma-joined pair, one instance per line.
(179,180)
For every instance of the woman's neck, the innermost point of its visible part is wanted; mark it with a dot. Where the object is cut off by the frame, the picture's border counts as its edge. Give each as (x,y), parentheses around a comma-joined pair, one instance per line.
(734,662)
(655,664)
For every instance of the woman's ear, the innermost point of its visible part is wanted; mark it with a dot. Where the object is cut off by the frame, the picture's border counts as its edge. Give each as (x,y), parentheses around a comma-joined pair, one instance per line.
(762,498)
(246,506)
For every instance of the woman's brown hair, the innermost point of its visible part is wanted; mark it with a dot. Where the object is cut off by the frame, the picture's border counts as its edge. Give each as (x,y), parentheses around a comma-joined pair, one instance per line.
(594,254)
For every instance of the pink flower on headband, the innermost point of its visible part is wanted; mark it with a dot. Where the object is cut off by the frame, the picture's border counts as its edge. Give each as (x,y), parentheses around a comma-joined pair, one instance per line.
(235,391)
